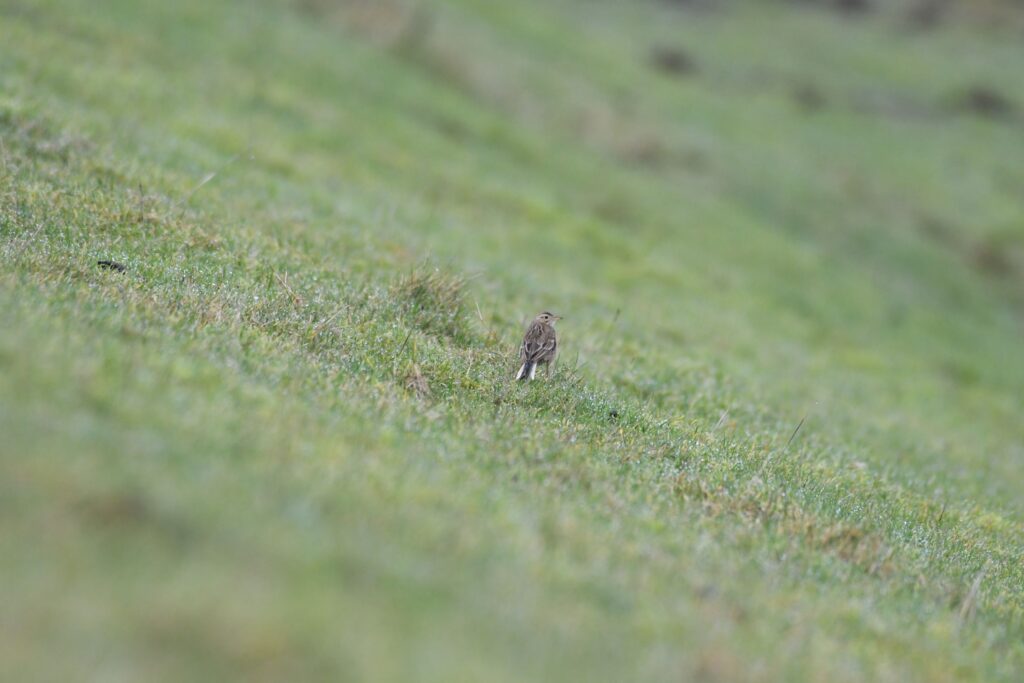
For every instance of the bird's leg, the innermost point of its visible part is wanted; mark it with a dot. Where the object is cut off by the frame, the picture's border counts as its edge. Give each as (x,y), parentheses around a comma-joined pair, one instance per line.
(547,370)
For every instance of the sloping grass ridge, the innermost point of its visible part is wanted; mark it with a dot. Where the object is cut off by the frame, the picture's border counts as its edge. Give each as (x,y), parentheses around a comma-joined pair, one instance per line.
(282,442)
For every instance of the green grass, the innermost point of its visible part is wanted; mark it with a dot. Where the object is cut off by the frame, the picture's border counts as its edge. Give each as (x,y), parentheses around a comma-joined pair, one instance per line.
(284,443)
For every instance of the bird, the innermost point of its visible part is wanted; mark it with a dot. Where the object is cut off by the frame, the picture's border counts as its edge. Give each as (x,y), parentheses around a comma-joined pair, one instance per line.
(539,345)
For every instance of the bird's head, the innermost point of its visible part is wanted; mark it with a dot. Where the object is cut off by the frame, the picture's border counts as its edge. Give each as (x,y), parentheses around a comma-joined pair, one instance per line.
(547,318)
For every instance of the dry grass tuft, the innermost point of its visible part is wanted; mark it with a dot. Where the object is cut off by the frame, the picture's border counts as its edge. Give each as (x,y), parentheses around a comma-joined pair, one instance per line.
(416,383)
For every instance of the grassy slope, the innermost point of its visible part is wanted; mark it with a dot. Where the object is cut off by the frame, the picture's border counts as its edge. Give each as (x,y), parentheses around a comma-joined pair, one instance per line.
(212,464)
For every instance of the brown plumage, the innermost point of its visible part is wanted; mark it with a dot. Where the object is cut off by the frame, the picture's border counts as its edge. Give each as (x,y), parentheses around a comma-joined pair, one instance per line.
(539,346)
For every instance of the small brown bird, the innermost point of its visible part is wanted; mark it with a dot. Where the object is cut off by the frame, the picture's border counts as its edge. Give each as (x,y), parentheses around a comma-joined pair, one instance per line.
(539,345)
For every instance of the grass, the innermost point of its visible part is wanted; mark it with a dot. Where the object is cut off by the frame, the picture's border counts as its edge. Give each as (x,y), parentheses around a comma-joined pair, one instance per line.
(783,438)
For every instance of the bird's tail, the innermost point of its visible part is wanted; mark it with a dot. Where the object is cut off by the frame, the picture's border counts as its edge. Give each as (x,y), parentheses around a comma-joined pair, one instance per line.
(527,372)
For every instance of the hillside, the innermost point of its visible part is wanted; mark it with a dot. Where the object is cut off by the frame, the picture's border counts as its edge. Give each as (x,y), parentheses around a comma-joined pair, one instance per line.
(783,440)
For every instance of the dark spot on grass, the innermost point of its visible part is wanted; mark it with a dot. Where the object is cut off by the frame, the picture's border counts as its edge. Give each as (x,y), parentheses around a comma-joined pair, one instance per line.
(927,14)
(116,508)
(449,127)
(935,228)
(809,97)
(673,61)
(847,7)
(111,265)
(998,255)
(416,28)
(853,6)
(643,148)
(125,511)
(690,4)
(986,101)
(991,257)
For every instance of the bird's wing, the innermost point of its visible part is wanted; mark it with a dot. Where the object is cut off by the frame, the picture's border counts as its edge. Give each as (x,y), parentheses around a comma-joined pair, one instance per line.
(538,342)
